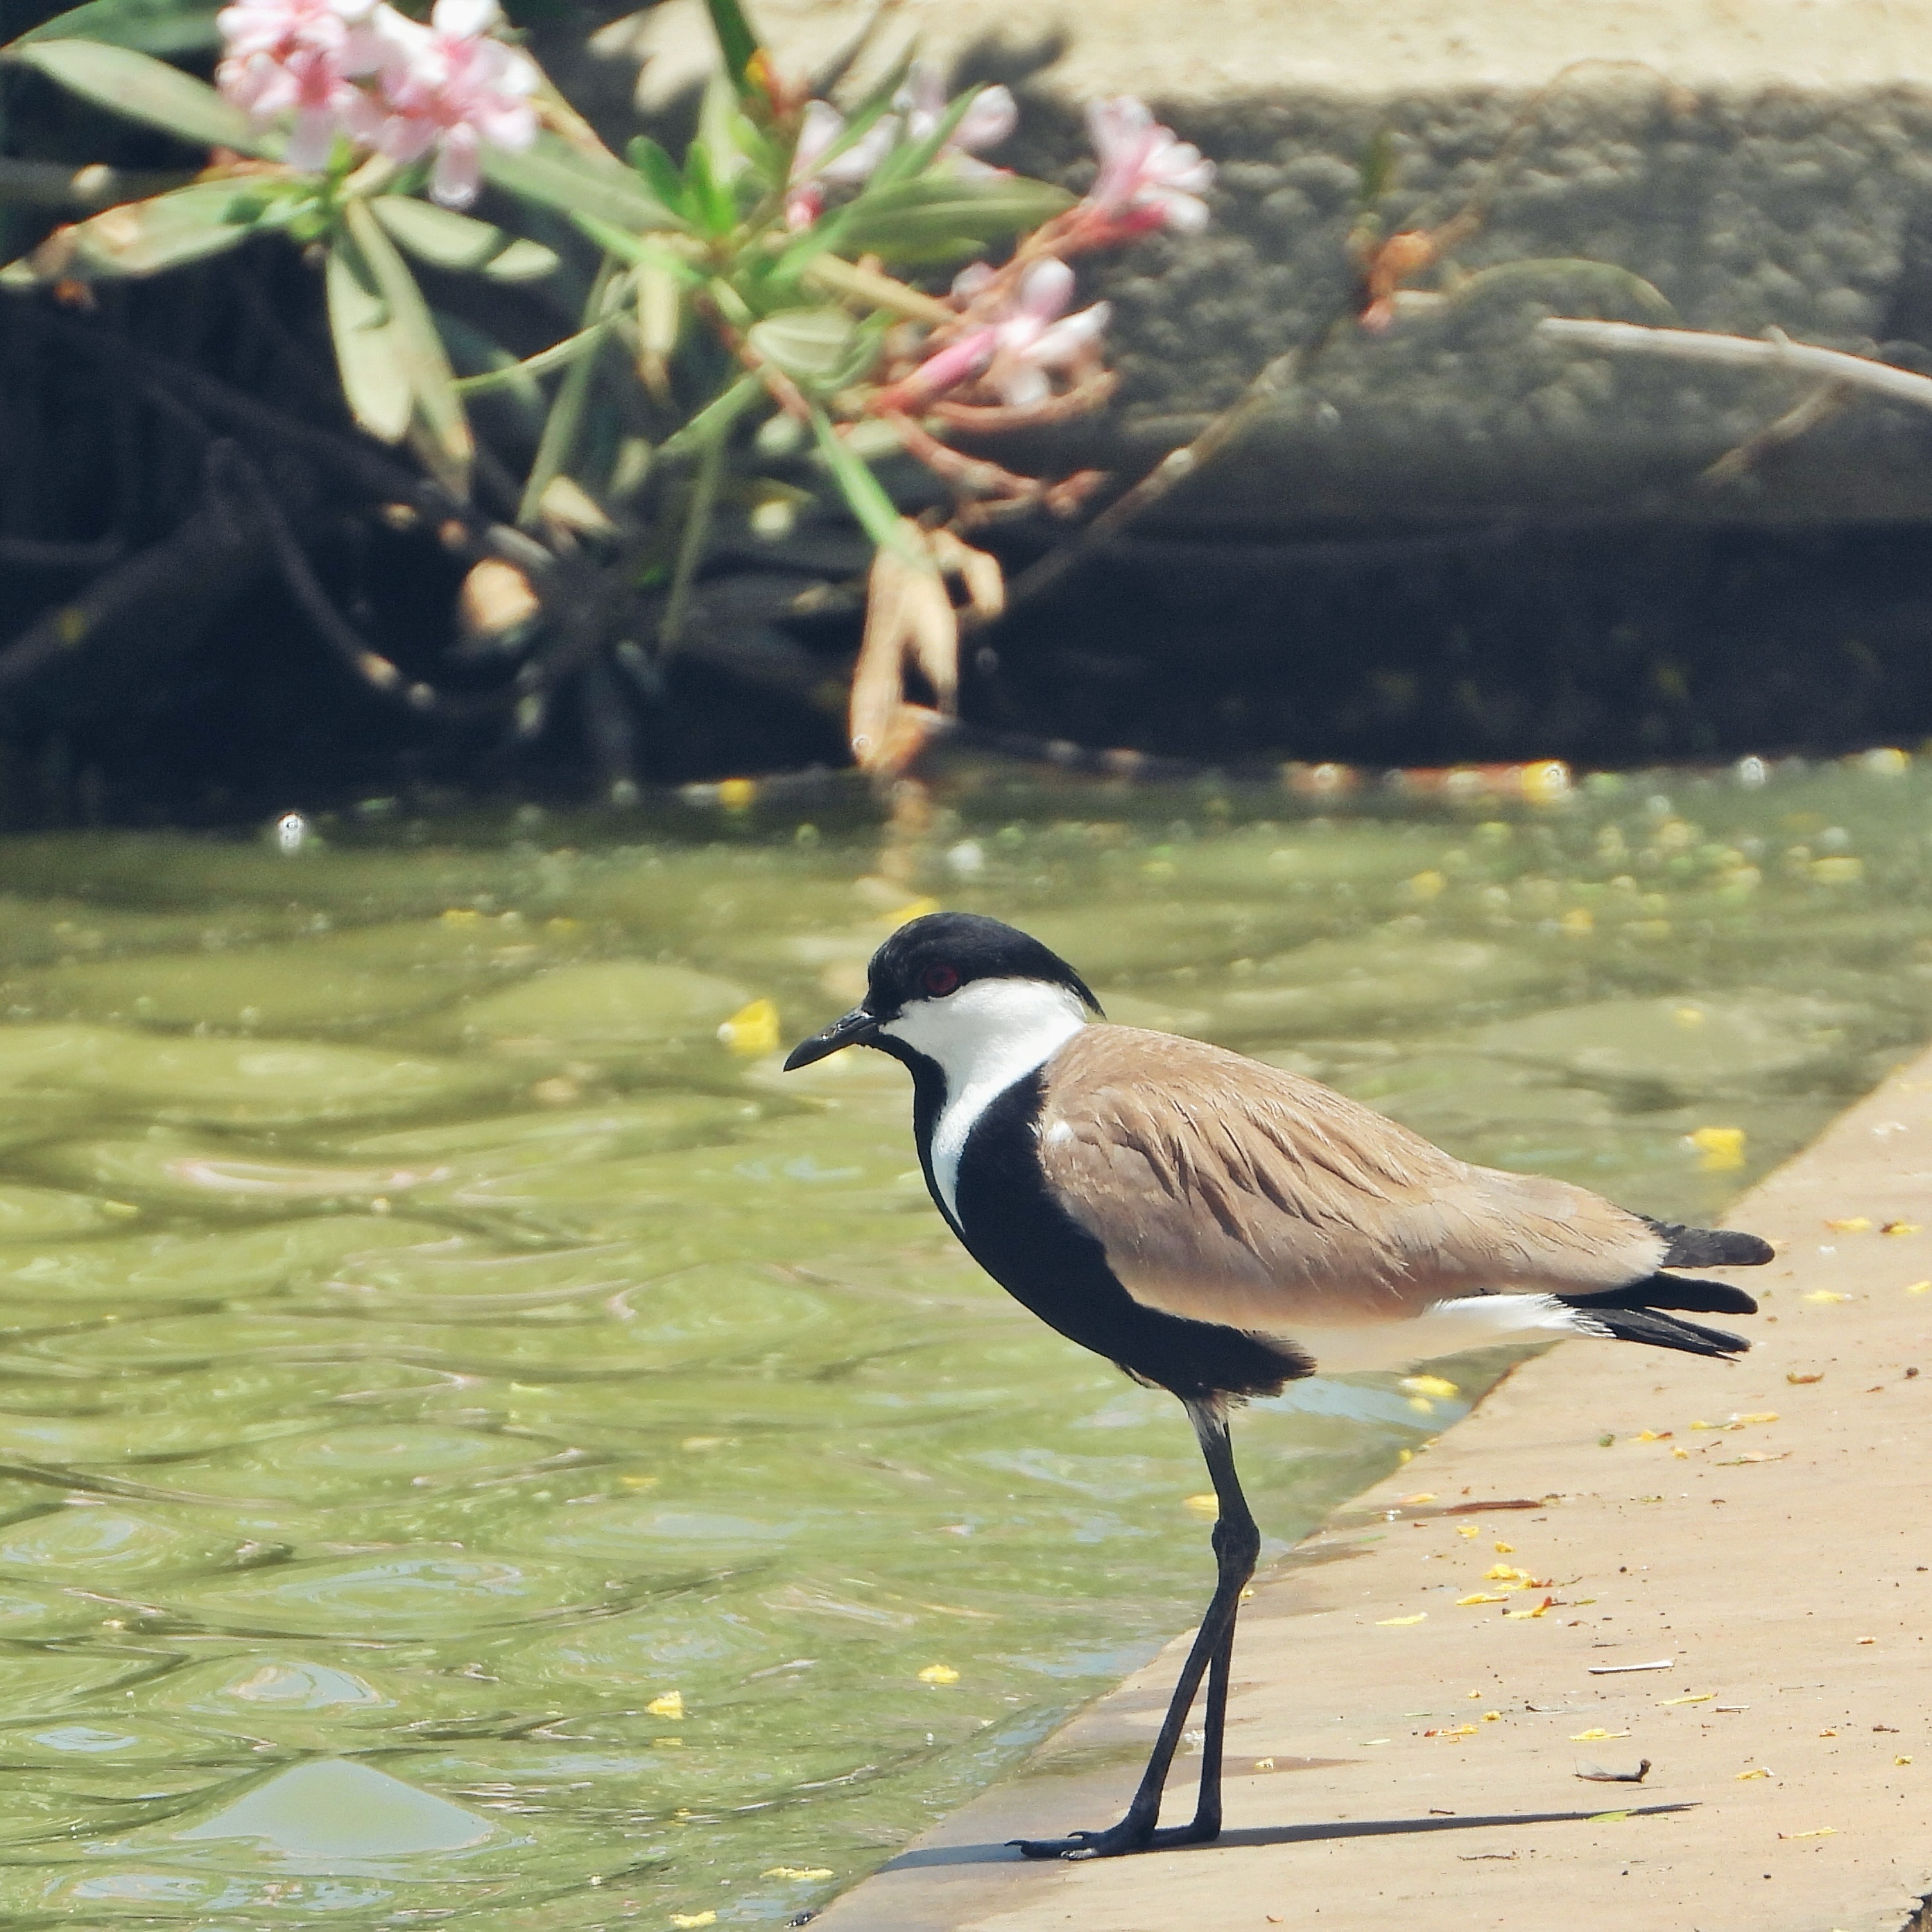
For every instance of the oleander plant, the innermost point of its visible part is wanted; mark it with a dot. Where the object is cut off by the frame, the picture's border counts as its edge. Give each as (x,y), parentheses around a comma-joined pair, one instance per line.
(791,326)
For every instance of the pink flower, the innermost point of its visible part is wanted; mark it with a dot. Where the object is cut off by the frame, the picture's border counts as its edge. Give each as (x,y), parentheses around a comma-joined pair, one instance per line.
(823,124)
(297,56)
(988,122)
(1035,335)
(1149,177)
(448,87)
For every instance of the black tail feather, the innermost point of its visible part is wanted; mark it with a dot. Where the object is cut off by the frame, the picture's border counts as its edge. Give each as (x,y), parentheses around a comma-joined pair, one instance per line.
(1669,1290)
(1709,1247)
(1662,1331)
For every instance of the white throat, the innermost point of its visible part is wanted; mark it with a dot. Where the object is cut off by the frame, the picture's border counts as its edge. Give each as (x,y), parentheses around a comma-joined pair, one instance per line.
(983,1038)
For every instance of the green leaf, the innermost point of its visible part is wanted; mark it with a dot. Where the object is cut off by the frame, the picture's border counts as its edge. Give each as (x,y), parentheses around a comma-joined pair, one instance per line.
(738,42)
(877,98)
(153,26)
(639,251)
(903,217)
(865,495)
(143,88)
(439,236)
(445,443)
(522,261)
(558,441)
(811,345)
(557,175)
(660,172)
(1375,170)
(914,158)
(521,376)
(709,198)
(141,238)
(374,378)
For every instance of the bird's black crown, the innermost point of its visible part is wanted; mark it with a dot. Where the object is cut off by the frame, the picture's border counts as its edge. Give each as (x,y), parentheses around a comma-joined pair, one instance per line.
(930,957)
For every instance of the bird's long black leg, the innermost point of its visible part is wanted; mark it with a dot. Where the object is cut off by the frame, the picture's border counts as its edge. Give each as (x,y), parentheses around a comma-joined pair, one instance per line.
(1237,1544)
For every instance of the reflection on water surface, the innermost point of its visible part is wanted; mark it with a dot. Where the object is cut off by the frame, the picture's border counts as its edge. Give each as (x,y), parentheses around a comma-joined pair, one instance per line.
(471,1445)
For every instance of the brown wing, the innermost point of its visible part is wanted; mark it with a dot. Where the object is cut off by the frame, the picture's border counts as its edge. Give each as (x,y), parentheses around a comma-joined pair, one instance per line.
(1230,1191)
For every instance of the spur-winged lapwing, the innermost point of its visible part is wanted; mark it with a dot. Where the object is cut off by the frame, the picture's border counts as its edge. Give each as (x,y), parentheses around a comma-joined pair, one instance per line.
(1218,1227)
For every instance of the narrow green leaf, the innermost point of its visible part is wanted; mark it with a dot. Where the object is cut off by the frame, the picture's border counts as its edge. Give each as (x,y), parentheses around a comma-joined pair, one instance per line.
(439,408)
(559,440)
(521,376)
(1376,169)
(373,377)
(638,251)
(709,198)
(865,495)
(153,26)
(877,98)
(567,179)
(910,158)
(907,216)
(134,84)
(811,345)
(141,238)
(715,420)
(522,261)
(660,172)
(439,236)
(737,41)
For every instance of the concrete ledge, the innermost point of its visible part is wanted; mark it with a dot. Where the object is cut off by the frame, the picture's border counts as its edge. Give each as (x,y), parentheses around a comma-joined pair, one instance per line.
(1397,1758)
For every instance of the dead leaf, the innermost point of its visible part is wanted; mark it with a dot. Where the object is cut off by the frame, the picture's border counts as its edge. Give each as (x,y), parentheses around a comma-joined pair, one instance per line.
(1797,1381)
(1595,1773)
(1594,1735)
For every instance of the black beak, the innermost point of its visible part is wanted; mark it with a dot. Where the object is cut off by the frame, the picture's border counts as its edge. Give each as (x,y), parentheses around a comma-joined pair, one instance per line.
(856,1028)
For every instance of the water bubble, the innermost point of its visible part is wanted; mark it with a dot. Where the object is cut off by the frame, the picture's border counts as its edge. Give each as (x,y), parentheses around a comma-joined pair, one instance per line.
(291,832)
(967,859)
(1750,772)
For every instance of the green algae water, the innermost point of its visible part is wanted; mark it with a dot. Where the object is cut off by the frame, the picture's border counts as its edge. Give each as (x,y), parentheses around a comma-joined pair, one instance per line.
(475,1444)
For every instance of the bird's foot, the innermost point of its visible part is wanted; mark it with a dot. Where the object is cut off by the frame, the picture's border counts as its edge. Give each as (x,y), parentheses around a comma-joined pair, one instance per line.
(1130,1834)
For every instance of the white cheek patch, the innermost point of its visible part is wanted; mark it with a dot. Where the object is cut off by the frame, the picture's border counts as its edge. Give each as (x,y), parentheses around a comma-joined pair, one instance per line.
(982,1038)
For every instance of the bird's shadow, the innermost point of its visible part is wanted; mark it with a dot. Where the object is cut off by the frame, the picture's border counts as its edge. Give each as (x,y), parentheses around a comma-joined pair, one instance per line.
(988,1852)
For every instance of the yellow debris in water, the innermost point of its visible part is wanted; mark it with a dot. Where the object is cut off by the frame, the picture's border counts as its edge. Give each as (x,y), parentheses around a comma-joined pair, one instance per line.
(686,1921)
(1429,1385)
(462,916)
(801,1872)
(1545,782)
(912,909)
(1842,869)
(1426,885)
(752,1030)
(670,1705)
(1207,1504)
(939,1673)
(738,794)
(1718,1150)
(1578,921)
(1689,1016)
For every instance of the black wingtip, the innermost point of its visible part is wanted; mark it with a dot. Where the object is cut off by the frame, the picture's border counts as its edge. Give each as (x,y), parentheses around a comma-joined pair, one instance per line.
(1663,1331)
(1710,1247)
(1669,1290)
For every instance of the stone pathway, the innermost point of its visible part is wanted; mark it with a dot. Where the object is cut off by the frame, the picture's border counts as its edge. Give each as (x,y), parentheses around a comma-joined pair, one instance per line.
(1727,1570)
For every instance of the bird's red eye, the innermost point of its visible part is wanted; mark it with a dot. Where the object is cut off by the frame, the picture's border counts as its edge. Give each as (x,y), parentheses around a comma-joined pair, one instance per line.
(941,980)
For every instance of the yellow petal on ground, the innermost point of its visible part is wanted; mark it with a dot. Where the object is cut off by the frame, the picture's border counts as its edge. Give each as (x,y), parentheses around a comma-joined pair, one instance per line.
(1480,1597)
(1826,1294)
(1853,1224)
(1468,1529)
(1421,1496)
(1682,1455)
(1542,1610)
(1745,1777)
(1759,1415)
(1264,1764)
(670,1705)
(1492,1716)
(1902,1760)
(1719,1149)
(1607,1817)
(1505,1548)
(1822,1832)
(1391,1623)
(939,1673)
(1918,1287)
(1429,1385)
(687,1921)
(1700,1697)
(1505,1573)
(1652,1434)
(1798,1381)
(1596,1734)
(802,1872)
(752,1030)
(1209,1504)
(1422,1405)
(1898,1227)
